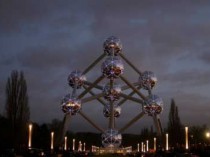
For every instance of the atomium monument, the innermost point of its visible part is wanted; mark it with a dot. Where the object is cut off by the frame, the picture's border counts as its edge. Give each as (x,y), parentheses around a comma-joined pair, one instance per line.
(112,95)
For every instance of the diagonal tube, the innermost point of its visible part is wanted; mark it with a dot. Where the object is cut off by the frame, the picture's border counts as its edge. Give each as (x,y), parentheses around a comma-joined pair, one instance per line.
(157,125)
(63,129)
(84,100)
(91,122)
(160,125)
(94,63)
(131,98)
(140,115)
(96,86)
(159,129)
(90,87)
(127,87)
(129,63)
(124,100)
(92,93)
(132,87)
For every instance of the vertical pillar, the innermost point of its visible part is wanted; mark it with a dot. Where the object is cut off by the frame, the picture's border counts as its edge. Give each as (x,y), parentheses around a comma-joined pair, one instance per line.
(155,143)
(52,141)
(79,146)
(30,135)
(142,147)
(65,143)
(186,138)
(73,145)
(166,142)
(147,148)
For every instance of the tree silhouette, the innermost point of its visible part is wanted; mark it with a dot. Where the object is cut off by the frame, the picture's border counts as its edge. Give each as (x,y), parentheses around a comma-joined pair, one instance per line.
(17,109)
(175,128)
(197,134)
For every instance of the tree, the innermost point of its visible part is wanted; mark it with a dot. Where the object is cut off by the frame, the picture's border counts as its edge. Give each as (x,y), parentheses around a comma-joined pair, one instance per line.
(17,109)
(197,134)
(41,136)
(4,133)
(175,128)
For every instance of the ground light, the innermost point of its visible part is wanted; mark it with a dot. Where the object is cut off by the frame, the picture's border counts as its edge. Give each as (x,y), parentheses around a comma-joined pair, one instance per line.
(186,138)
(73,145)
(30,135)
(155,141)
(208,136)
(65,143)
(52,141)
(166,142)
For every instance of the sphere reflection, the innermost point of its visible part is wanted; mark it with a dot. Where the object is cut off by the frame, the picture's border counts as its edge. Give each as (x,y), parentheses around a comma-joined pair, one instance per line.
(112,46)
(112,93)
(147,80)
(153,105)
(117,111)
(111,138)
(70,105)
(112,67)
(76,79)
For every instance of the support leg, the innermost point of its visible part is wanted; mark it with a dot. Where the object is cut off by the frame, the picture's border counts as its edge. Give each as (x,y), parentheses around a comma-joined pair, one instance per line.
(140,115)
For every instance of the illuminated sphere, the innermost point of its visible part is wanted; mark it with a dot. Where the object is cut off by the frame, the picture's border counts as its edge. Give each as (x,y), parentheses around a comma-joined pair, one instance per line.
(153,105)
(117,111)
(112,67)
(76,79)
(111,94)
(111,138)
(70,105)
(147,80)
(112,46)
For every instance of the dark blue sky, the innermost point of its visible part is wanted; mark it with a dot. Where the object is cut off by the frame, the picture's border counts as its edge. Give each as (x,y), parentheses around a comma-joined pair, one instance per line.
(47,39)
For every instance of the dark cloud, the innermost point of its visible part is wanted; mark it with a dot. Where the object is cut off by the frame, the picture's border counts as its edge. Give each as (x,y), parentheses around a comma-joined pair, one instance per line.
(205,57)
(188,78)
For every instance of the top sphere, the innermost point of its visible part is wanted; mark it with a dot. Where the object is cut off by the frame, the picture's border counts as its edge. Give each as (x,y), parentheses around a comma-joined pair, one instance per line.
(112,46)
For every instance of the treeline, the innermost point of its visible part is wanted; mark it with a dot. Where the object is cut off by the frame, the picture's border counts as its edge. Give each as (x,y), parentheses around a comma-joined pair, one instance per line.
(41,136)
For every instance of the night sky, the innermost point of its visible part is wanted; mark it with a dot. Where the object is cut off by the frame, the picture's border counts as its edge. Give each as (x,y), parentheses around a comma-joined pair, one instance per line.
(48,39)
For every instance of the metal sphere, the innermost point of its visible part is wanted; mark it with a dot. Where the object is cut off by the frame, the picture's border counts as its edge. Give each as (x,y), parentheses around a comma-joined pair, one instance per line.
(147,80)
(153,105)
(76,79)
(112,67)
(112,93)
(111,138)
(70,105)
(112,46)
(117,111)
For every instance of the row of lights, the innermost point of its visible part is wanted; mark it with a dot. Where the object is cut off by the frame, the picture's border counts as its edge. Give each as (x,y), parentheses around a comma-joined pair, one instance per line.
(73,146)
(143,147)
(52,141)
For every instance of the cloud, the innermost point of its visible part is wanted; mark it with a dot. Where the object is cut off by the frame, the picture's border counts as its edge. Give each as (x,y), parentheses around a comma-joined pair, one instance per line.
(205,57)
(49,39)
